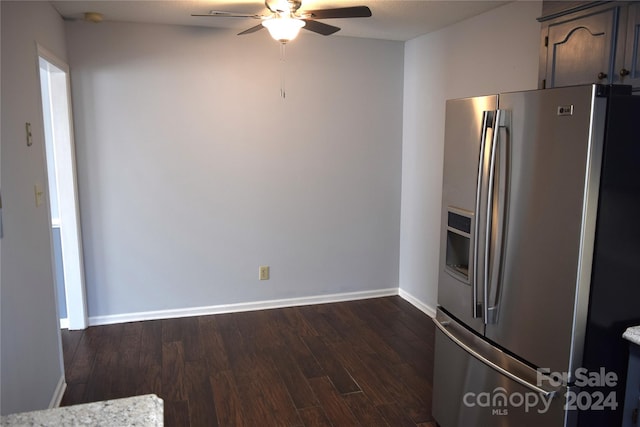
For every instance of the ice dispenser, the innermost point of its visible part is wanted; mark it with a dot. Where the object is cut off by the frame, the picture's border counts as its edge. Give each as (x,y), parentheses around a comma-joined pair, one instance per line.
(459,241)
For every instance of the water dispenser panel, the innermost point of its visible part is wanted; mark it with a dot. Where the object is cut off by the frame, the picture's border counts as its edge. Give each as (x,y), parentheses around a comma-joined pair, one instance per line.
(459,240)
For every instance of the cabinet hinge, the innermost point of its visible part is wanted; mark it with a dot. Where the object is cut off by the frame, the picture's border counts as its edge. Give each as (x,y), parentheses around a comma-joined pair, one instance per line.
(546,41)
(544,83)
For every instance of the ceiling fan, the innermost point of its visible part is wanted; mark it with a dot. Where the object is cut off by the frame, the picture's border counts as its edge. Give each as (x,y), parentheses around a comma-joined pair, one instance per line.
(285,19)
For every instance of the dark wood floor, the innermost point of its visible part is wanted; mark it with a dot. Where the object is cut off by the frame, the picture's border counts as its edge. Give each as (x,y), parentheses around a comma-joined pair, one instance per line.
(359,363)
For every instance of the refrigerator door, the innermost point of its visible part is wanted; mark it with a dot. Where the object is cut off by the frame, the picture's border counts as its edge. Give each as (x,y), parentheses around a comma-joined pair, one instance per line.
(466,133)
(550,149)
(476,384)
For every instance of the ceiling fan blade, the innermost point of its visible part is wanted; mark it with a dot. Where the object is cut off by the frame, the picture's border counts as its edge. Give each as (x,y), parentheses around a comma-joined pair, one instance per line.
(340,12)
(252,30)
(220,14)
(320,27)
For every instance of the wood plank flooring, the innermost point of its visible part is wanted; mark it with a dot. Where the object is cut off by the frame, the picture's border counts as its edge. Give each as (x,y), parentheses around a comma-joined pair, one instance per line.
(358,363)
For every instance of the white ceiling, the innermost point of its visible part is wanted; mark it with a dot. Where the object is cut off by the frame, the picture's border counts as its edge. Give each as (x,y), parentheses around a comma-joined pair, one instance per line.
(391,20)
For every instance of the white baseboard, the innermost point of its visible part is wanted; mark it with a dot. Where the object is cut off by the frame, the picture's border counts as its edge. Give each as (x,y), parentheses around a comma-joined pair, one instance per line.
(239,307)
(64,323)
(58,393)
(425,308)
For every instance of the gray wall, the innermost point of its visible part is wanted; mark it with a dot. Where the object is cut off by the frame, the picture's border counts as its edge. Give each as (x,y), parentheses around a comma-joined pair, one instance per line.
(490,53)
(30,339)
(193,171)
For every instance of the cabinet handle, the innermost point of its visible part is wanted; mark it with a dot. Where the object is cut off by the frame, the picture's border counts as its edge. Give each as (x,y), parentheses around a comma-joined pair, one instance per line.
(624,72)
(602,76)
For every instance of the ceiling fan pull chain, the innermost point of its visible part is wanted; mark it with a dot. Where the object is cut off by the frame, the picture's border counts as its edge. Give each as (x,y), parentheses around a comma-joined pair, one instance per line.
(283,93)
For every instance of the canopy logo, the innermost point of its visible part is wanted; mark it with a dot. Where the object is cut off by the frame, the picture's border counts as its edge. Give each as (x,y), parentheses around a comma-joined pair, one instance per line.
(500,401)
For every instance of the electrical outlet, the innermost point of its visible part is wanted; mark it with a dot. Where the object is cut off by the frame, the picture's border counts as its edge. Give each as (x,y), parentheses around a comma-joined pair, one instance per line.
(263,272)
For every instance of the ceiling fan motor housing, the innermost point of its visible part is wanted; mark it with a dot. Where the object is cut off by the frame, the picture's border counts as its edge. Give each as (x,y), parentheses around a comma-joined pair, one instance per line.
(290,6)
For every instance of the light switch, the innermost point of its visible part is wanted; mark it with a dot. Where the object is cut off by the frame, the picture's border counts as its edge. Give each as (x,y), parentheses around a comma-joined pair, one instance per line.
(39,193)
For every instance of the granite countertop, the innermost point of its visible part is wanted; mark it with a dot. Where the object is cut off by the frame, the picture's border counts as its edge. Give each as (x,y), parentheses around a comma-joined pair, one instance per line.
(632,334)
(141,411)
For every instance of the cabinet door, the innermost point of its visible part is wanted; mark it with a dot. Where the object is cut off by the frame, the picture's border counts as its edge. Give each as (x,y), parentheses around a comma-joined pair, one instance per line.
(632,53)
(583,50)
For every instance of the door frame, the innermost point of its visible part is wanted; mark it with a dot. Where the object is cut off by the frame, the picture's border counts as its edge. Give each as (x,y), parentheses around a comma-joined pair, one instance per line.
(70,230)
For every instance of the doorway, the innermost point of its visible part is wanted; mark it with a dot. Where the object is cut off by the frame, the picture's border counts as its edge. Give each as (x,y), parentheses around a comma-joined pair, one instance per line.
(63,190)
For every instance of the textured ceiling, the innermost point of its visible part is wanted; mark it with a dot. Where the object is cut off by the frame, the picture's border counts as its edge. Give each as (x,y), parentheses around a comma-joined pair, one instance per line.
(391,20)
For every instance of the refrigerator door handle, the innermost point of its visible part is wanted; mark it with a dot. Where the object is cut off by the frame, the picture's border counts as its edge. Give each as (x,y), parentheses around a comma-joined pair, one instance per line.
(496,203)
(495,358)
(486,276)
(487,118)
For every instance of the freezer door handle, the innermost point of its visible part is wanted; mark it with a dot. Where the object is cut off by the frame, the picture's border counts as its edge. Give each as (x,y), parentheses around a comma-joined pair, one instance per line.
(494,357)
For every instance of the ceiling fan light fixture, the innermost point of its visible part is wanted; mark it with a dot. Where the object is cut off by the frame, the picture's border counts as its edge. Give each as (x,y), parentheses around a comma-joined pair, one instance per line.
(283,28)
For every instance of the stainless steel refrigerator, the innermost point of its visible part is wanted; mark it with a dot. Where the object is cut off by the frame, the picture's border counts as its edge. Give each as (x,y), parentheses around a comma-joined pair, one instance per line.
(540,258)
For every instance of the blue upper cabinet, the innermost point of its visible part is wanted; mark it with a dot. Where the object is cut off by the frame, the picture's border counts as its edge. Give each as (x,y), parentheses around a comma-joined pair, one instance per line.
(591,42)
